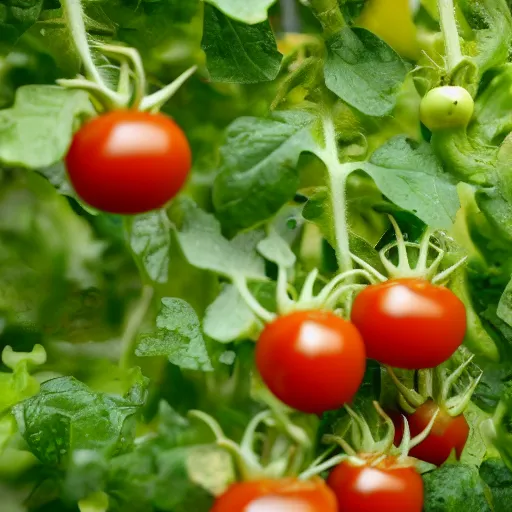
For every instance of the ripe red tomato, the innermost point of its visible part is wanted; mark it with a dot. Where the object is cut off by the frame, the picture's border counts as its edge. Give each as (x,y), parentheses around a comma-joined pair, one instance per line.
(409,323)
(128,162)
(385,486)
(448,433)
(312,361)
(284,495)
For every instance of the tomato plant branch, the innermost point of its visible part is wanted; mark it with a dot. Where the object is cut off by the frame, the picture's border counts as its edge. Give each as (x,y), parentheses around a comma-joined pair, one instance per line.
(450,33)
(328,14)
(137,316)
(241,285)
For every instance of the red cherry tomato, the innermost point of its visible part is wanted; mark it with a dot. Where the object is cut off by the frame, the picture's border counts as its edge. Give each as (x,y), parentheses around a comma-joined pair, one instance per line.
(448,433)
(284,495)
(386,486)
(312,361)
(128,162)
(409,323)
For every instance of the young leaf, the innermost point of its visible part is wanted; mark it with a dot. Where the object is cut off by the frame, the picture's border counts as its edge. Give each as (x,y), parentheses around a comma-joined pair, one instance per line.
(410,175)
(37,130)
(259,175)
(251,12)
(239,53)
(204,246)
(150,240)
(364,71)
(178,337)
(66,415)
(275,249)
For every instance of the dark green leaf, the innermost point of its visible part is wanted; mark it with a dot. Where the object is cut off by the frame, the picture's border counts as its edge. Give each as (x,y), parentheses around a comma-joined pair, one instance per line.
(364,71)
(239,53)
(16,16)
(498,477)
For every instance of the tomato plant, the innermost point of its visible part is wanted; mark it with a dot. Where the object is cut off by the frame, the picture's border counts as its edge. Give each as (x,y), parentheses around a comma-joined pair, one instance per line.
(128,162)
(307,496)
(383,486)
(301,357)
(449,434)
(409,323)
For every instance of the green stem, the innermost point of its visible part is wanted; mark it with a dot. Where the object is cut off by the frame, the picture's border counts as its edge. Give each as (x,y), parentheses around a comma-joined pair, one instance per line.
(137,316)
(328,14)
(73,13)
(338,174)
(450,33)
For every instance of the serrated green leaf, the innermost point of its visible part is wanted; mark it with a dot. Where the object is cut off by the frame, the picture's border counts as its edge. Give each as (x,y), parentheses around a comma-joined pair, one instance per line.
(179,337)
(251,12)
(204,246)
(410,175)
(150,240)
(37,130)
(239,53)
(364,71)
(259,174)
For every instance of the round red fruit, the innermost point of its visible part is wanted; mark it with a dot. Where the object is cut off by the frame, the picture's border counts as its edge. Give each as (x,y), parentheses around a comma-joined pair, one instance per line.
(409,323)
(313,361)
(128,162)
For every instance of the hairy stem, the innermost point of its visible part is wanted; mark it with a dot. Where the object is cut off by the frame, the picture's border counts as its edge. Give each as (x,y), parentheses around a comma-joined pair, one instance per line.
(450,33)
(328,14)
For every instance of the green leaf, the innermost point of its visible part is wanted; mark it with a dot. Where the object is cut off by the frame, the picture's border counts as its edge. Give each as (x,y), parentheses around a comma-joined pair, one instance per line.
(150,240)
(498,477)
(505,305)
(37,130)
(239,53)
(66,415)
(409,174)
(259,174)
(275,249)
(178,337)
(364,71)
(204,246)
(15,17)
(251,12)
(455,487)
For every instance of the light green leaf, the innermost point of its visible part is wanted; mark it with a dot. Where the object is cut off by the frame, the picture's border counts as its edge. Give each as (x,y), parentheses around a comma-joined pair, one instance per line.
(178,337)
(150,240)
(410,175)
(37,130)
(275,249)
(239,53)
(505,304)
(364,71)
(204,246)
(259,174)
(251,12)
(96,502)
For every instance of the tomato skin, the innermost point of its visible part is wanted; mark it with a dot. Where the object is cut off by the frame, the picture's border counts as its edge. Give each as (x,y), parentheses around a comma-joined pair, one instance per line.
(448,433)
(372,488)
(409,323)
(128,162)
(277,496)
(313,361)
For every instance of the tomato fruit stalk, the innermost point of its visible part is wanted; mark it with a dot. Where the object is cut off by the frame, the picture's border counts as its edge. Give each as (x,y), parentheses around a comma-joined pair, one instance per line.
(313,361)
(409,323)
(277,496)
(128,162)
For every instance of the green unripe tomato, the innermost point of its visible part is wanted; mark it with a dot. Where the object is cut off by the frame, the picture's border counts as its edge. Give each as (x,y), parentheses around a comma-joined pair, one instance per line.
(446,107)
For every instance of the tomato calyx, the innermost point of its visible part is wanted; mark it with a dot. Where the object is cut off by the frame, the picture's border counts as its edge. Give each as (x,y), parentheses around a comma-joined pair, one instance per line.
(250,465)
(363,449)
(437,384)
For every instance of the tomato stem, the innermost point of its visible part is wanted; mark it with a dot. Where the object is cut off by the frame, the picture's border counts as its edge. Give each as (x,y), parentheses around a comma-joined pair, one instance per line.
(135,320)
(241,285)
(328,14)
(450,33)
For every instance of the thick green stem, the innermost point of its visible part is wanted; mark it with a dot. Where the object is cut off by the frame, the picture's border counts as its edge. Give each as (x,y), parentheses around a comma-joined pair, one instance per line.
(73,13)
(450,33)
(328,14)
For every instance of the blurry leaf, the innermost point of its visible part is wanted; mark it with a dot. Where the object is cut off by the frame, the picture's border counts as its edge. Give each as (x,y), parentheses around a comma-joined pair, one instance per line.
(505,305)
(498,477)
(364,71)
(239,53)
(178,337)
(97,502)
(251,12)
(275,249)
(37,130)
(66,416)
(204,246)
(150,240)
(410,175)
(258,175)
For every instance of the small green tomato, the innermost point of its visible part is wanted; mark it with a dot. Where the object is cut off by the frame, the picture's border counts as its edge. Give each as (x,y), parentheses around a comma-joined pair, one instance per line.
(446,107)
